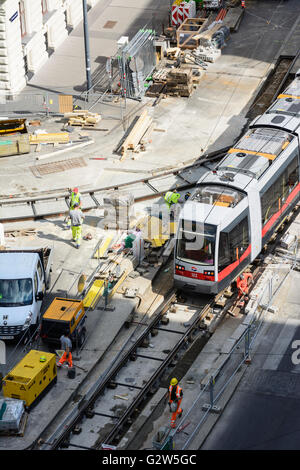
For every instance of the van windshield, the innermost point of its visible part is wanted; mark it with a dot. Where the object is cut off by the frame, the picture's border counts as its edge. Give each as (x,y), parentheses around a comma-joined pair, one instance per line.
(15,292)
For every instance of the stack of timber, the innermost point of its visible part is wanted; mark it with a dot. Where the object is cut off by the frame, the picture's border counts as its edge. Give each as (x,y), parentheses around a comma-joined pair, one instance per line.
(82,118)
(136,134)
(14,145)
(14,139)
(49,138)
(180,82)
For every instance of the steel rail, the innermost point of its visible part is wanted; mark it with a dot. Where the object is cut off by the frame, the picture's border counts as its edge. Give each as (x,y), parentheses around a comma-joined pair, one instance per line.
(86,404)
(63,198)
(152,382)
(85,407)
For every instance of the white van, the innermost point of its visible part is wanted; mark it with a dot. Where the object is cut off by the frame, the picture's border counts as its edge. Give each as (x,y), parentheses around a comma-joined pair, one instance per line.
(24,279)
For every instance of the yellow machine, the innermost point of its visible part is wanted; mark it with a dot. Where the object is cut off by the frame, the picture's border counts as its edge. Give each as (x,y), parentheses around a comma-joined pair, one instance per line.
(34,374)
(64,315)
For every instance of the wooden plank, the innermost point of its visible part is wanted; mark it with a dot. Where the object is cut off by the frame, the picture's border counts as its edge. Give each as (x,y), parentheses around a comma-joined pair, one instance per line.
(65,103)
(141,131)
(60,137)
(136,133)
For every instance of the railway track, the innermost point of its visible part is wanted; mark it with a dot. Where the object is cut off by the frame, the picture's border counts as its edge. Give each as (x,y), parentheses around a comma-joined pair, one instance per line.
(141,371)
(49,204)
(276,81)
(92,410)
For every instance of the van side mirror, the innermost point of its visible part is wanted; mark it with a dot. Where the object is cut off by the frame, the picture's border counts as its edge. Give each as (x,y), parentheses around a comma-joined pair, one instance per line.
(39,296)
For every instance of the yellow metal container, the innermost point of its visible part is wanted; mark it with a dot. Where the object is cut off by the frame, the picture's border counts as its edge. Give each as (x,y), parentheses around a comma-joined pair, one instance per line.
(34,374)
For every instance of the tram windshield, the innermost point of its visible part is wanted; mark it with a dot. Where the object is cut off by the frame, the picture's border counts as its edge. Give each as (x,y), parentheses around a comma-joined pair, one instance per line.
(196,243)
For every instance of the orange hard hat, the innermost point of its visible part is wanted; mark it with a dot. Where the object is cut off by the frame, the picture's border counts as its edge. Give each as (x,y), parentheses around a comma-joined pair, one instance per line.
(75,190)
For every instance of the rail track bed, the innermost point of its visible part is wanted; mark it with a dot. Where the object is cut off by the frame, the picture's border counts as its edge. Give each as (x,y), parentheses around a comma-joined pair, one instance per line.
(134,377)
(278,79)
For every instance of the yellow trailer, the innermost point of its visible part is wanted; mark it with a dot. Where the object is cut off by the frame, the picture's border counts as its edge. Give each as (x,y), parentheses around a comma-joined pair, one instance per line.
(31,377)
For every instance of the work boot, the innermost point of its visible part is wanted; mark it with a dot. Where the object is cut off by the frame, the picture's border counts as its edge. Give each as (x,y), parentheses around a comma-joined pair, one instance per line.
(77,246)
(180,413)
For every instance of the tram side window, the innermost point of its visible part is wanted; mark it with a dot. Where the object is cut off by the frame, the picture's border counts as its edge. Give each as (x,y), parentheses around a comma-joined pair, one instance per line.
(233,244)
(238,240)
(292,177)
(273,199)
(224,253)
(268,205)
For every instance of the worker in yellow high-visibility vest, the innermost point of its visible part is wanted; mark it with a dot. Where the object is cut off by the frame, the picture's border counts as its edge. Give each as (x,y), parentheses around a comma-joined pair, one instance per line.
(75,198)
(171,198)
(76,217)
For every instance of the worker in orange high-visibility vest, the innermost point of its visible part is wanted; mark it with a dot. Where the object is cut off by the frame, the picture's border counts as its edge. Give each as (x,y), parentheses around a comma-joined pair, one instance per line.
(175,398)
(66,345)
(243,3)
(242,283)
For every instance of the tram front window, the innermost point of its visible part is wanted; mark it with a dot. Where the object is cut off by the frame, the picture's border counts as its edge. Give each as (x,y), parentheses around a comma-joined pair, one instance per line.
(196,244)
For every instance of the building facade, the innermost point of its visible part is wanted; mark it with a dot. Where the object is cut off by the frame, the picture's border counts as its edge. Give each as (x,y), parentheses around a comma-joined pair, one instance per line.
(30,30)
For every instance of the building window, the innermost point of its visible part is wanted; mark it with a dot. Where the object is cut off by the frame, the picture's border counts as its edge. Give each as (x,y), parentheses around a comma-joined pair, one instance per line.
(22,18)
(44,6)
